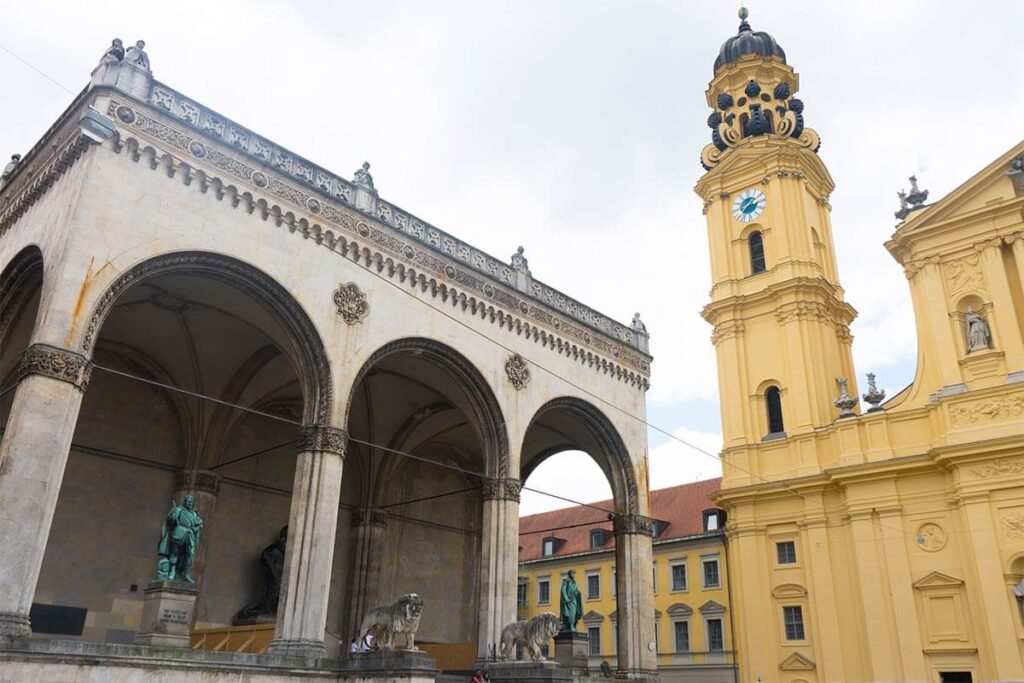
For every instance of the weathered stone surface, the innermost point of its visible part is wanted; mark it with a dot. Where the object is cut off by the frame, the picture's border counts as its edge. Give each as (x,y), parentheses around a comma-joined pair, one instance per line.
(529,672)
(572,651)
(167,614)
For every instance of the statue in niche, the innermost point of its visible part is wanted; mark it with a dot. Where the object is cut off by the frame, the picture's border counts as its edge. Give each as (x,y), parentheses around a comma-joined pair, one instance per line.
(362,176)
(136,55)
(114,53)
(272,562)
(179,540)
(979,337)
(570,603)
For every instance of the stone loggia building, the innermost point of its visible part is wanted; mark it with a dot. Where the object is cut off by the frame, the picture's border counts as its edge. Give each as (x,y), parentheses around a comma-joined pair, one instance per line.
(188,307)
(884,545)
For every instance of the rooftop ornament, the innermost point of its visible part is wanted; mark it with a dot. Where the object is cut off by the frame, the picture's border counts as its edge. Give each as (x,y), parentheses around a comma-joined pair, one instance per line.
(1016,171)
(911,202)
(9,168)
(875,396)
(845,402)
(362,176)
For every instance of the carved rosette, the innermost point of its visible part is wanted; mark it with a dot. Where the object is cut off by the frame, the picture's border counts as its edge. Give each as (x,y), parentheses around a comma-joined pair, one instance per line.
(351,302)
(56,363)
(200,481)
(369,517)
(501,489)
(633,524)
(320,438)
(517,370)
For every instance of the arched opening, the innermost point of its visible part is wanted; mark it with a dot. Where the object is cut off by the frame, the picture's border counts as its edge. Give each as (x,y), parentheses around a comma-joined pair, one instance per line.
(755,243)
(205,369)
(425,432)
(21,285)
(773,405)
(572,450)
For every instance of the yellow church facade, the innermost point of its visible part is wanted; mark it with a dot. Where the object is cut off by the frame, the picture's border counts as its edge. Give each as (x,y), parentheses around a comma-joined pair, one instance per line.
(884,544)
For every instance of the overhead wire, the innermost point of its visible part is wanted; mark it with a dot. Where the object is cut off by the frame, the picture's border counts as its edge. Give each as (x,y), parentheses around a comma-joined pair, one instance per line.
(670,435)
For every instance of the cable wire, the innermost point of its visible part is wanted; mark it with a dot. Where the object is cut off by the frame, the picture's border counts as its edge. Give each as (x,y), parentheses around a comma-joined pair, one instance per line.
(37,70)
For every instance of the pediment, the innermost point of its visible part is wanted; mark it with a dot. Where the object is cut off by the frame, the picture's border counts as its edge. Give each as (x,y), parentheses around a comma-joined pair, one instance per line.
(789,591)
(679,609)
(796,662)
(712,607)
(986,189)
(614,615)
(592,618)
(937,580)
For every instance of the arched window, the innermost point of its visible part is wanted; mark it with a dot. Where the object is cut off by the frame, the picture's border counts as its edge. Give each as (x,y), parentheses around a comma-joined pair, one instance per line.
(773,401)
(756,243)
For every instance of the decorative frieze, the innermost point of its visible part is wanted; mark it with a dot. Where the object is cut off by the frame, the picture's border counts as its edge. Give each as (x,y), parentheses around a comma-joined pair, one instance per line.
(964,275)
(400,258)
(50,361)
(1013,525)
(633,524)
(322,439)
(351,302)
(517,371)
(203,481)
(246,142)
(501,489)
(1002,466)
(369,517)
(987,410)
(38,184)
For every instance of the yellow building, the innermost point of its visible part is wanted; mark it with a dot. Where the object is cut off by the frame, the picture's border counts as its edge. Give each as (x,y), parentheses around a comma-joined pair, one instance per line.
(693,635)
(888,544)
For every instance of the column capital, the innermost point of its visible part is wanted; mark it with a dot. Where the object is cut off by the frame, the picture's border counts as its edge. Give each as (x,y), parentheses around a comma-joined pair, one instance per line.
(56,363)
(322,438)
(633,524)
(501,489)
(203,481)
(369,517)
(14,625)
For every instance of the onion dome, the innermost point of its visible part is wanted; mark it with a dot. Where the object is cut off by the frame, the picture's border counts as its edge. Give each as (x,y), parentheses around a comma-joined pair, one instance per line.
(748,42)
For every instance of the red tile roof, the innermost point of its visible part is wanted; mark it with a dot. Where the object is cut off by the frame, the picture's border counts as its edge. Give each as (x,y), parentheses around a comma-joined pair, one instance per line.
(680,506)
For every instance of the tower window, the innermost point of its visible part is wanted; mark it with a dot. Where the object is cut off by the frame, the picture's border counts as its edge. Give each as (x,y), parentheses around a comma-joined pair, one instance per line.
(756,242)
(773,401)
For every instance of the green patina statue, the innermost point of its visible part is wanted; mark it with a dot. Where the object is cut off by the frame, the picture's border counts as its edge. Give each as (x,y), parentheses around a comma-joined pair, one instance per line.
(571,603)
(179,540)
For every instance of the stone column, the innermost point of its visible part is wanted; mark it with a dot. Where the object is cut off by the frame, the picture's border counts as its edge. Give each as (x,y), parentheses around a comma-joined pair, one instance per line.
(499,561)
(203,485)
(634,602)
(33,453)
(368,528)
(306,584)
(881,657)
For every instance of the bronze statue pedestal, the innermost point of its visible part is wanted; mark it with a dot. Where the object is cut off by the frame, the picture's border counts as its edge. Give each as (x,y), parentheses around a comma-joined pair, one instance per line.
(167,614)
(571,652)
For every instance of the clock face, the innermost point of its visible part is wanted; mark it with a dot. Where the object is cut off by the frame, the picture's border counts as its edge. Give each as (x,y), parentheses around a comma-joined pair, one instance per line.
(748,205)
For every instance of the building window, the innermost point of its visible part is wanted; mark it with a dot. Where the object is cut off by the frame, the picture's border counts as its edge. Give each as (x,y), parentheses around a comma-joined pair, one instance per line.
(615,586)
(716,637)
(543,591)
(594,586)
(679,576)
(654,578)
(594,638)
(794,619)
(548,547)
(773,401)
(786,552)
(682,634)
(713,519)
(955,677)
(657,528)
(711,576)
(756,242)
(598,537)
(521,594)
(657,640)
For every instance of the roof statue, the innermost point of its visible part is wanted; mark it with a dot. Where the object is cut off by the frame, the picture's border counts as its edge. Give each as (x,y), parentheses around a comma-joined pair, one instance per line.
(362,176)
(519,261)
(911,201)
(137,55)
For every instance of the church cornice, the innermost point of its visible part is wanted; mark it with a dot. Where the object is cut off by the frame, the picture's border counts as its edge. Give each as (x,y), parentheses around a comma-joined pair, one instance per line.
(800,298)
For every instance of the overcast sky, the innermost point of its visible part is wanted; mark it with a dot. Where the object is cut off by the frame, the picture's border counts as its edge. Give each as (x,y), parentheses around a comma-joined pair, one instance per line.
(574,129)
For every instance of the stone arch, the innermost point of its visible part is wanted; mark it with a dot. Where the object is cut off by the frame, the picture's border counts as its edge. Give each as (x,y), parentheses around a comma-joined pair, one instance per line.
(306,346)
(487,416)
(19,281)
(613,459)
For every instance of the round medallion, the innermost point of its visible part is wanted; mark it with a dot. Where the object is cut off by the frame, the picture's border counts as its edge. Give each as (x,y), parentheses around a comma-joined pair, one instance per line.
(313,205)
(125,114)
(748,205)
(197,149)
(259,179)
(931,537)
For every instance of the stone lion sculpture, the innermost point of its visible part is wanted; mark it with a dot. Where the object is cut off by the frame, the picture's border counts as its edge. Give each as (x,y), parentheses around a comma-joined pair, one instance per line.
(402,616)
(531,635)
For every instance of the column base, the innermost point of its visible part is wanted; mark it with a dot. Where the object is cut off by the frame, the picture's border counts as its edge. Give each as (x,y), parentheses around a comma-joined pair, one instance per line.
(167,614)
(637,675)
(14,625)
(308,649)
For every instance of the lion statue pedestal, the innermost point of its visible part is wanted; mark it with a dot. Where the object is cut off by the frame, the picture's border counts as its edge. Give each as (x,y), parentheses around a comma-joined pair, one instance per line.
(528,672)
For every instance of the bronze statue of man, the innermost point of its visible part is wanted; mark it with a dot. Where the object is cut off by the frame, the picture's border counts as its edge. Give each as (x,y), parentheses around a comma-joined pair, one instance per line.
(571,603)
(179,540)
(272,561)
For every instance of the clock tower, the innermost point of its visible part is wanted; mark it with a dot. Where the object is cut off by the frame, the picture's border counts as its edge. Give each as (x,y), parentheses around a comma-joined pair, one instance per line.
(781,326)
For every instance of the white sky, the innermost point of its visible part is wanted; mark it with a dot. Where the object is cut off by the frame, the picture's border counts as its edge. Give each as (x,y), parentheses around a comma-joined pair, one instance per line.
(574,128)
